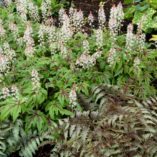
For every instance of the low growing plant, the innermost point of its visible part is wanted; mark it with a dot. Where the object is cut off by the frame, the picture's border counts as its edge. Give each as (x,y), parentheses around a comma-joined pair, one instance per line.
(43,66)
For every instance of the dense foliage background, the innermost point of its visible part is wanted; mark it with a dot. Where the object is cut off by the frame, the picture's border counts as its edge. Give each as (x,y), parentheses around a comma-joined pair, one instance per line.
(51,56)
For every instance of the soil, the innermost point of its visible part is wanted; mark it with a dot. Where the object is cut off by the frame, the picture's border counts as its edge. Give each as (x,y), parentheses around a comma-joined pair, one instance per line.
(93,5)
(42,152)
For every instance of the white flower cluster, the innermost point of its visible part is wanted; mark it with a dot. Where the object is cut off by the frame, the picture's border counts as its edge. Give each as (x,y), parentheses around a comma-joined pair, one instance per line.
(120,14)
(52,34)
(136,62)
(48,32)
(90,19)
(49,21)
(112,56)
(14,91)
(7,2)
(141,41)
(41,33)
(86,46)
(66,30)
(29,50)
(99,38)
(9,92)
(86,61)
(2,30)
(130,37)
(101,15)
(13,28)
(63,50)
(35,81)
(116,19)
(8,52)
(21,6)
(52,38)
(61,14)
(33,10)
(73,96)
(5,93)
(135,40)
(140,36)
(7,56)
(77,20)
(46,9)
(4,64)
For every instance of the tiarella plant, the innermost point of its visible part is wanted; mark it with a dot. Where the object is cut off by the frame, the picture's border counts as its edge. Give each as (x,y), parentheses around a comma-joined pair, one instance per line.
(44,65)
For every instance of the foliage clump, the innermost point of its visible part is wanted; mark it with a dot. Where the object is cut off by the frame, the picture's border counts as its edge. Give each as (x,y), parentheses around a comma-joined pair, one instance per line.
(48,60)
(115,124)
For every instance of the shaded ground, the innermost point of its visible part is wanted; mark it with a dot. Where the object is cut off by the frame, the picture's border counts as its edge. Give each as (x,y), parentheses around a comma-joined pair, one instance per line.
(43,152)
(93,5)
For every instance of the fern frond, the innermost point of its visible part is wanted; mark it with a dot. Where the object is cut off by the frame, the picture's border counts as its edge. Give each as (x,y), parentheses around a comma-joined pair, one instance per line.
(31,147)
(116,124)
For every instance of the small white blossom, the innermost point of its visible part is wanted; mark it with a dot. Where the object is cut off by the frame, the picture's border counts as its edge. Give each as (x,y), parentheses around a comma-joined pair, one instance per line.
(29,51)
(2,30)
(8,52)
(61,14)
(46,9)
(7,2)
(101,15)
(63,50)
(113,23)
(140,36)
(35,80)
(130,37)
(52,34)
(6,46)
(21,6)
(99,38)
(97,55)
(5,93)
(78,20)
(41,33)
(120,15)
(28,35)
(33,11)
(90,19)
(86,61)
(71,13)
(136,62)
(4,64)
(49,22)
(13,27)
(66,30)
(116,19)
(14,92)
(73,96)
(112,56)
(20,41)
(86,46)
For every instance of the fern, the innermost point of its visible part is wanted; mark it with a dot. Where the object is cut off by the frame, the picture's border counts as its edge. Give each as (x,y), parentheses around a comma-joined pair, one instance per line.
(114,124)
(31,147)
(13,138)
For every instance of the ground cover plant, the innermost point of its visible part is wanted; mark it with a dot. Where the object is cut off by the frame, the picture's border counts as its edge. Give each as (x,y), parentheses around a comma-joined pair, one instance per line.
(145,10)
(48,62)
